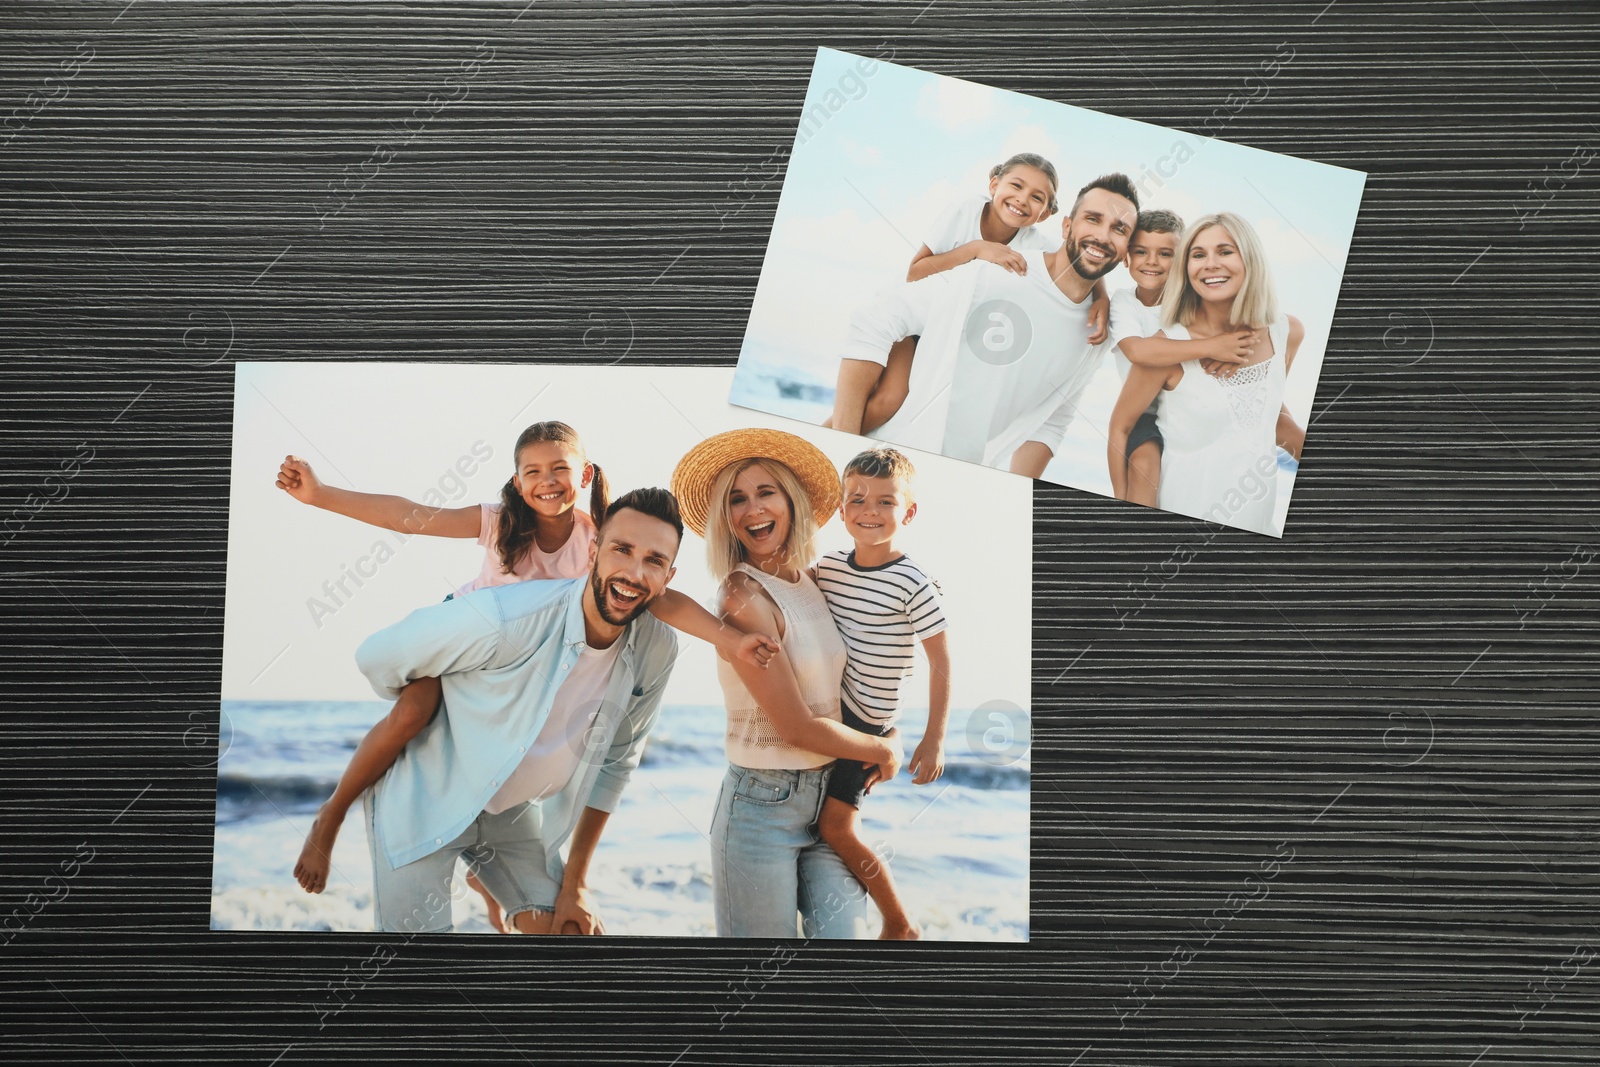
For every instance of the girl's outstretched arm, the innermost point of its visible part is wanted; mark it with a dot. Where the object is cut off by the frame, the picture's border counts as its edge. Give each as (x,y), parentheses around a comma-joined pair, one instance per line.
(1141,387)
(681,613)
(373,757)
(396,513)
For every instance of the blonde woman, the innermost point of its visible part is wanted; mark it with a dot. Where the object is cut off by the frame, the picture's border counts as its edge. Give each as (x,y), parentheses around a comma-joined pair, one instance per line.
(758,498)
(1220,460)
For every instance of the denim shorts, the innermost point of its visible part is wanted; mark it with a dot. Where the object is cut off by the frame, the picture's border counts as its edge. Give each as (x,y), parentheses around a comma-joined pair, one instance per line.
(771,874)
(505,851)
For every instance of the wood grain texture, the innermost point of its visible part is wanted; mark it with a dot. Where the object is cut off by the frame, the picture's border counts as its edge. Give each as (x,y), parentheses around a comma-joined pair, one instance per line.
(1387,719)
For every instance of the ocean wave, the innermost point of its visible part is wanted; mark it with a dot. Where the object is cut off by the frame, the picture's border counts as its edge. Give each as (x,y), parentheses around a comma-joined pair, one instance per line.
(975,774)
(667,752)
(289,790)
(243,795)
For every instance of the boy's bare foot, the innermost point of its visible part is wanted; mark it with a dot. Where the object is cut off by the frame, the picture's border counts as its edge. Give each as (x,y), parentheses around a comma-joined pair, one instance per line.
(906,931)
(496,918)
(316,855)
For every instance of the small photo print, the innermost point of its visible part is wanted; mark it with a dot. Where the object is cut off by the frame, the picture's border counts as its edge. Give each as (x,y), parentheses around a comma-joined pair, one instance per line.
(1038,288)
(534,648)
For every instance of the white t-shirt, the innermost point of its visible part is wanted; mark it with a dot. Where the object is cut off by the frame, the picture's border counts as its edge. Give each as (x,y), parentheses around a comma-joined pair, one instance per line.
(555,753)
(1130,318)
(959,224)
(1003,359)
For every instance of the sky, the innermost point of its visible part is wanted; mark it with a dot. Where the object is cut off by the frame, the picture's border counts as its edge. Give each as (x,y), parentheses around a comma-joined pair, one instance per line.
(882,150)
(408,429)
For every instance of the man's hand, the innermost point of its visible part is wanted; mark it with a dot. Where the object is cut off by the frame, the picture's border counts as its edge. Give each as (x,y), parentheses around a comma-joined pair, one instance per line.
(296,478)
(576,913)
(927,762)
(890,767)
(1001,255)
(757,650)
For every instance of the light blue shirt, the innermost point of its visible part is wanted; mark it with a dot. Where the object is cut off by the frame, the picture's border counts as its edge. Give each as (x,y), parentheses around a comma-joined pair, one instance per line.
(501,654)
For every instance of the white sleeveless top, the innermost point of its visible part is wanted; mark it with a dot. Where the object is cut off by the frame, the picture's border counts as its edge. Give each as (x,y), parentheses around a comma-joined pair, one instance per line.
(1219,458)
(815,651)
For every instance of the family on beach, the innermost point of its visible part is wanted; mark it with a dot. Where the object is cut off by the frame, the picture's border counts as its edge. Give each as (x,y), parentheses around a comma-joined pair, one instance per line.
(984,351)
(523,701)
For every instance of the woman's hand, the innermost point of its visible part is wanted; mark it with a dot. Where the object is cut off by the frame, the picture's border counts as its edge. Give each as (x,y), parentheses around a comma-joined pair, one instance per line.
(296,478)
(575,908)
(1001,256)
(889,766)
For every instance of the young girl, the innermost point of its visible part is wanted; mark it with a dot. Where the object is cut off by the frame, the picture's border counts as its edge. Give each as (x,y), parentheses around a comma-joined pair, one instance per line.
(1221,433)
(535,531)
(1022,193)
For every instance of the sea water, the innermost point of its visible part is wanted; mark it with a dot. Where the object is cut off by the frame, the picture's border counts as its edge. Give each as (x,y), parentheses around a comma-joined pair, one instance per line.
(959,845)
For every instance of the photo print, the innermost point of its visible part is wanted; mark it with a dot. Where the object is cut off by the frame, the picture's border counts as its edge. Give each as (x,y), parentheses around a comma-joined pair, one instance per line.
(1106,304)
(471,681)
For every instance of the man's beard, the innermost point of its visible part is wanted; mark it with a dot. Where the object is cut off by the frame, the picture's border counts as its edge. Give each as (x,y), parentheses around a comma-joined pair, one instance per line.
(602,602)
(1075,257)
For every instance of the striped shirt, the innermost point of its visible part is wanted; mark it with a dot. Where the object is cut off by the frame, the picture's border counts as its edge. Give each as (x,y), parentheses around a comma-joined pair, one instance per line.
(881,612)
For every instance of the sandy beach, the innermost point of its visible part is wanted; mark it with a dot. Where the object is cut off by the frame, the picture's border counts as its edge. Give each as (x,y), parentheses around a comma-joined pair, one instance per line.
(959,845)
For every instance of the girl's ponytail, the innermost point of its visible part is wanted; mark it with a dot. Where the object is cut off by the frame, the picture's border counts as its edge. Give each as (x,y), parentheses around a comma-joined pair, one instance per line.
(599,496)
(515,525)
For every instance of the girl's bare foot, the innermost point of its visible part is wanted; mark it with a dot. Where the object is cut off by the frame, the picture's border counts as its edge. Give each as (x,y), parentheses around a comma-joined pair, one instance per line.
(906,931)
(496,919)
(316,855)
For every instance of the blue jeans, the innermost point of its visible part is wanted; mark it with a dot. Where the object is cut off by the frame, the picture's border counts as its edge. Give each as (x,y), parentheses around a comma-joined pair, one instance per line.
(768,864)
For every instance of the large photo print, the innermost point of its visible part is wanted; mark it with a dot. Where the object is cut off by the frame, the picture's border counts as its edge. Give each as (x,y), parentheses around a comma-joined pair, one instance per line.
(568,650)
(1038,288)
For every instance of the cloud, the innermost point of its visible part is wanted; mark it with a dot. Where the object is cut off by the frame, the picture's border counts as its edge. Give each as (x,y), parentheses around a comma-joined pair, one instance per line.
(955,104)
(1297,245)
(861,155)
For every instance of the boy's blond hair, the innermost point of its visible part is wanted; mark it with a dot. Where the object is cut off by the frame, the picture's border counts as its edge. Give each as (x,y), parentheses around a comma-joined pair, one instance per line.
(724,552)
(882,462)
(1257,303)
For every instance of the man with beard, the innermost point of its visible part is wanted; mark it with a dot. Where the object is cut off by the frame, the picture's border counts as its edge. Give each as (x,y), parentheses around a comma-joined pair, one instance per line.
(1003,357)
(549,690)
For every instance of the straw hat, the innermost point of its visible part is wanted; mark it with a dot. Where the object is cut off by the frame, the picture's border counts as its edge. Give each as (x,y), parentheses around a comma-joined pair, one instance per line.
(691,481)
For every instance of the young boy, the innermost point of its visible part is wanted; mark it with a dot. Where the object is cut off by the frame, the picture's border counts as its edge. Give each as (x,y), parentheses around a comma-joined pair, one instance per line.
(1136,312)
(1135,317)
(882,603)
